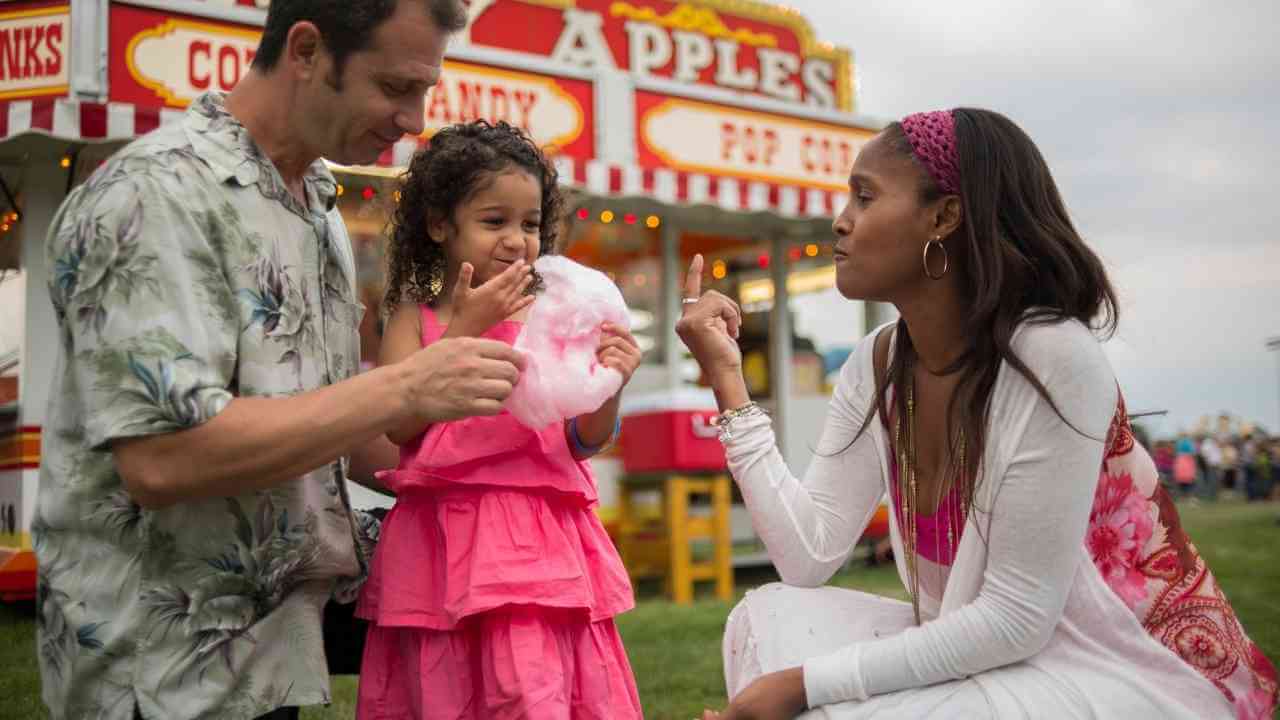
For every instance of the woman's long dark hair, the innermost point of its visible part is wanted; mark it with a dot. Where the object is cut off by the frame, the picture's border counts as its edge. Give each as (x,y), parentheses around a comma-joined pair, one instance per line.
(1021,261)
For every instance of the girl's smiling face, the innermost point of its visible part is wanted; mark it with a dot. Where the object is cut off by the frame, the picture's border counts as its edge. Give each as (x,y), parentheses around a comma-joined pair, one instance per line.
(498,224)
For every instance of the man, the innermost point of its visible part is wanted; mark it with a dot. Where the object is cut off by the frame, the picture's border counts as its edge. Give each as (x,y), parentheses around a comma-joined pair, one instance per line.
(193,520)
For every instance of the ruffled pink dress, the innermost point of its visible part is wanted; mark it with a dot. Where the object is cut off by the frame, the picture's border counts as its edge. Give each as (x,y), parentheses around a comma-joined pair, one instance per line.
(494,585)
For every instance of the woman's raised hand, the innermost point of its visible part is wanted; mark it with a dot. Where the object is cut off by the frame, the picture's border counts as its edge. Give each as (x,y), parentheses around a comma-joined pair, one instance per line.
(709,326)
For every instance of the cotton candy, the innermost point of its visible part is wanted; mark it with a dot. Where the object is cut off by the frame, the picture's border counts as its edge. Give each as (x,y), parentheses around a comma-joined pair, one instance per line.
(562,377)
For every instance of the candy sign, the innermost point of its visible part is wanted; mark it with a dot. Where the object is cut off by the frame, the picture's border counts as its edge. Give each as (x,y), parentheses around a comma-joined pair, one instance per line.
(702,137)
(33,51)
(537,104)
(177,58)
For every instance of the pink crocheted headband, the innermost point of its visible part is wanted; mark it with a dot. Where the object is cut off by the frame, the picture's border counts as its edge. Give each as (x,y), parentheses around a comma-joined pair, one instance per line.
(933,138)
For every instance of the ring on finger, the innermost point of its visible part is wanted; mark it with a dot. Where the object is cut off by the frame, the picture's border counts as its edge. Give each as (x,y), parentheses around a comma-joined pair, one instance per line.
(688,301)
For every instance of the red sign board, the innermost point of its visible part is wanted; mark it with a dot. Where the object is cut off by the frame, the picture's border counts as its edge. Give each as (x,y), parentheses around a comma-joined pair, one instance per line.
(741,45)
(171,59)
(35,42)
(216,5)
(162,58)
(746,46)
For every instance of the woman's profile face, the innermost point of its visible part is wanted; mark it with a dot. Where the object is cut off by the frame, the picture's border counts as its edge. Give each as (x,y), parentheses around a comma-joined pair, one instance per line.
(880,235)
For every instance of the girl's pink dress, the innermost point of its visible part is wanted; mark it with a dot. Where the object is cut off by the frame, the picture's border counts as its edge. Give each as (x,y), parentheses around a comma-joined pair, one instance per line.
(494,585)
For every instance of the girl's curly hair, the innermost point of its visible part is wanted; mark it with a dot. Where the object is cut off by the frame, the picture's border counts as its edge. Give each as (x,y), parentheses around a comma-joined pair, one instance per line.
(439,179)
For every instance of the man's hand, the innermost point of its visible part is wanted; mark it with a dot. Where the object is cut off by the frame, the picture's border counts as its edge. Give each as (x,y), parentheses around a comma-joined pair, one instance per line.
(457,378)
(776,696)
(257,443)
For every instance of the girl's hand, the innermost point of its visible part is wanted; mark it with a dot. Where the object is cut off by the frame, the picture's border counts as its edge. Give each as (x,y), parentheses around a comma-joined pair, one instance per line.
(776,696)
(620,351)
(709,326)
(475,310)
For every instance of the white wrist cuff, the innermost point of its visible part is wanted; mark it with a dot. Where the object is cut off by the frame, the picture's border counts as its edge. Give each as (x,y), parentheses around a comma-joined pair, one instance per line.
(834,678)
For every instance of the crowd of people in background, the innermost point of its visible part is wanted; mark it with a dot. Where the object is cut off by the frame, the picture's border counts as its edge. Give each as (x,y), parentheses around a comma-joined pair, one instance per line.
(1200,465)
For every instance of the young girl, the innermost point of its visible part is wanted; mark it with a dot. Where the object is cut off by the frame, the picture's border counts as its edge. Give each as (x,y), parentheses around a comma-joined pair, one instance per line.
(494,586)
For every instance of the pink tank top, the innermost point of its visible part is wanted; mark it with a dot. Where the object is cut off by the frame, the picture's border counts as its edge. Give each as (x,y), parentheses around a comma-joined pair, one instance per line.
(490,513)
(938,534)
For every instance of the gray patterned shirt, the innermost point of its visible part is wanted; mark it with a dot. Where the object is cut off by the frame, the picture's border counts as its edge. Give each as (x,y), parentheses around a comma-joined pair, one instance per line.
(183,274)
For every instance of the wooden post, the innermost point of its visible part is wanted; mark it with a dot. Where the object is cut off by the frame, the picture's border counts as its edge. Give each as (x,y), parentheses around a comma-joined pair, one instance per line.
(681,575)
(721,500)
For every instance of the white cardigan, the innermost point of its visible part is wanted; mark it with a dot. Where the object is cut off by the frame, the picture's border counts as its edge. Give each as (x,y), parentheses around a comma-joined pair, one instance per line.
(1023,588)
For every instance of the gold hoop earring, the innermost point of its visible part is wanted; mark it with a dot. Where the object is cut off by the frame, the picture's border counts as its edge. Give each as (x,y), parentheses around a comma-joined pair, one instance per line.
(946,259)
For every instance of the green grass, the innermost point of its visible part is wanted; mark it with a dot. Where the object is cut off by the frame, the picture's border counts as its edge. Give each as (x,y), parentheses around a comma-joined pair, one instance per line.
(1239,543)
(675,651)
(19,679)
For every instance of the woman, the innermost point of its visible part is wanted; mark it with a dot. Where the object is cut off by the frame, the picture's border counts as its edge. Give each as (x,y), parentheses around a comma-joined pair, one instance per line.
(1048,571)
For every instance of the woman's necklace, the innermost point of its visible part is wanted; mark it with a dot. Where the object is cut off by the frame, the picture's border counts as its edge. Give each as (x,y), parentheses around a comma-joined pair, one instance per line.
(909,489)
(907,493)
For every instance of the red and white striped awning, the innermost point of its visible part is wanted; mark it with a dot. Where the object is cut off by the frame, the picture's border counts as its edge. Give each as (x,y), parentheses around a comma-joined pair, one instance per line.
(75,121)
(674,187)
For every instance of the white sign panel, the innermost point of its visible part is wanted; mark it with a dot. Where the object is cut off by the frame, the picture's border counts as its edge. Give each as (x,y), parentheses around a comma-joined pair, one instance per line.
(34,47)
(719,140)
(181,60)
(533,103)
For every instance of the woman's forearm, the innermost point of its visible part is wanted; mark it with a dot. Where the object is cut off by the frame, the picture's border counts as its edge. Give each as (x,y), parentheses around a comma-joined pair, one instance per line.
(730,388)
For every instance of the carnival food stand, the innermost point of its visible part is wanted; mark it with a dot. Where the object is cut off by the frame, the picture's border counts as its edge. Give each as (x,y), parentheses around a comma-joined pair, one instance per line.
(721,127)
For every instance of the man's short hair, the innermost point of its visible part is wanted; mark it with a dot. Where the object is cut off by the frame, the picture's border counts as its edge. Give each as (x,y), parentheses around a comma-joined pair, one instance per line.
(346,26)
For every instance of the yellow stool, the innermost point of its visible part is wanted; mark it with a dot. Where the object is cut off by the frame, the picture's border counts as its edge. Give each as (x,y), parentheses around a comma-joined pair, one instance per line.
(660,544)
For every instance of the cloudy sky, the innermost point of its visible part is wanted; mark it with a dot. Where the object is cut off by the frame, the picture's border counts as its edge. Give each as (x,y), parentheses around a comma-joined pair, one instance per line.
(1161,122)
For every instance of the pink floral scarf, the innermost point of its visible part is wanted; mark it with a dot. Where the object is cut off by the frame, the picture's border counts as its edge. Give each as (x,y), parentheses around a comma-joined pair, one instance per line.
(1137,542)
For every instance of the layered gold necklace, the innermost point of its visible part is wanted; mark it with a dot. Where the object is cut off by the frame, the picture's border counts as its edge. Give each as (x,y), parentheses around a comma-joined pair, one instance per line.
(909,490)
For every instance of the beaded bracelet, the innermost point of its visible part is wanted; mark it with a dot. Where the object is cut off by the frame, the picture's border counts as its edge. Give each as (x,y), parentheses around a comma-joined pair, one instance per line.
(581,450)
(726,419)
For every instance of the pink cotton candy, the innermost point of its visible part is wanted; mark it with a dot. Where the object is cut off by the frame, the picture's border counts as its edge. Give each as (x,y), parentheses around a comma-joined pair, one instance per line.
(562,378)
